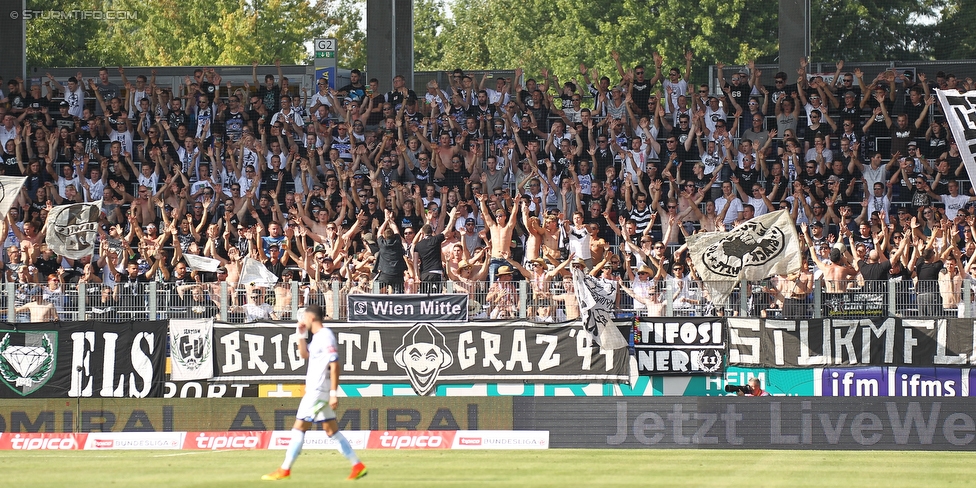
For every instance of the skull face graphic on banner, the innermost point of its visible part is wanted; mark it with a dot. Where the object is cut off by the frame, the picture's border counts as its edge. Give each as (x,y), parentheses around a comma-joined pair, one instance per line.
(72,229)
(423,355)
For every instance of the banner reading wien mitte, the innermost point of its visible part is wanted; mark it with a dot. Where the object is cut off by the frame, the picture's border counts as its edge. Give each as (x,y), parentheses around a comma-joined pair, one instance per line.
(405,308)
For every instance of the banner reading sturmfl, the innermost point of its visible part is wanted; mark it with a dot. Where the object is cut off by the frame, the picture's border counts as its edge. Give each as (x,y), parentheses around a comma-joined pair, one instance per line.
(71,229)
(762,247)
(960,111)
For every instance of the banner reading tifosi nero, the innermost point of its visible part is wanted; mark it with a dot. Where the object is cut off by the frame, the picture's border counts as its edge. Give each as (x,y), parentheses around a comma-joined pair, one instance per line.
(86,359)
(679,345)
(408,308)
(424,354)
(866,342)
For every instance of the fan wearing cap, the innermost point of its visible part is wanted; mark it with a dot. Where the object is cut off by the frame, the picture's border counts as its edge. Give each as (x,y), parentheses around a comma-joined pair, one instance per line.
(502,295)
(256,308)
(644,289)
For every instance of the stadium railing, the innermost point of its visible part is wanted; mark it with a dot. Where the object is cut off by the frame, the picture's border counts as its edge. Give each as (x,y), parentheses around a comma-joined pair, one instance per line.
(553,301)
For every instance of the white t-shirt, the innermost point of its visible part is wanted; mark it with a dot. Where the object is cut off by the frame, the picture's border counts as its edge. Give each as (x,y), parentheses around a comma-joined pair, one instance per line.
(677,89)
(322,350)
(953,204)
(733,213)
(76,100)
(319,98)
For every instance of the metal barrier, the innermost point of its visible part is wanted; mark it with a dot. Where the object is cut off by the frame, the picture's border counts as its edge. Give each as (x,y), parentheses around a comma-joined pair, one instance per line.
(543,302)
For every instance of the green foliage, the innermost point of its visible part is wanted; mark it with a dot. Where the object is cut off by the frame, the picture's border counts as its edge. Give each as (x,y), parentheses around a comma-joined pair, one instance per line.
(193,32)
(62,42)
(343,18)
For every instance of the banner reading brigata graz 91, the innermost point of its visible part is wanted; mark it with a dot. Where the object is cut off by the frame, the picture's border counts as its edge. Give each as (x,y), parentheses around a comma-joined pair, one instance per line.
(424,354)
(83,359)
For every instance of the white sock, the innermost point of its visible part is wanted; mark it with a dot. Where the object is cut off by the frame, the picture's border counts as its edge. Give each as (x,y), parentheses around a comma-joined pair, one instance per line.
(345,448)
(294,448)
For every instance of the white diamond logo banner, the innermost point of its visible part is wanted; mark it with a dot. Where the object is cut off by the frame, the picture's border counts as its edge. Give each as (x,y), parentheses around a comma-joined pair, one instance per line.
(27,359)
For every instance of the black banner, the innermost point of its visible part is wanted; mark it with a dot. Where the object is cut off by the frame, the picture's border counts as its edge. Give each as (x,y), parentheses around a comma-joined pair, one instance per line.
(679,345)
(835,342)
(424,354)
(751,423)
(408,308)
(83,359)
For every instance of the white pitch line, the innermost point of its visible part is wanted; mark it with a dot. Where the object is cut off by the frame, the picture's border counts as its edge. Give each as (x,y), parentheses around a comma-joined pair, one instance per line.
(194,452)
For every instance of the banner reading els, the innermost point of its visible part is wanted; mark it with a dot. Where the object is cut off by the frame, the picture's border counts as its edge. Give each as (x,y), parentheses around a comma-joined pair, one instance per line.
(83,359)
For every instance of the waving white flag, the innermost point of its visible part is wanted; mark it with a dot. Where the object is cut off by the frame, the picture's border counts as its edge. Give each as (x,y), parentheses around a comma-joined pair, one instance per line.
(762,247)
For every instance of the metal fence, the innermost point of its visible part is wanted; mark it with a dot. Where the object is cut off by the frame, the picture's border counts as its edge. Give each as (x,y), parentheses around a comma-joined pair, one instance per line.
(547,301)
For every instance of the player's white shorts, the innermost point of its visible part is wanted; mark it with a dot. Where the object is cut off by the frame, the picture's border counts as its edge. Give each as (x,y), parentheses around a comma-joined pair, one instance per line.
(315,407)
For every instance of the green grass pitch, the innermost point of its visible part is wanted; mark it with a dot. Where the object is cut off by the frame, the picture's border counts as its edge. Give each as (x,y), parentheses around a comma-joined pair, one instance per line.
(562,468)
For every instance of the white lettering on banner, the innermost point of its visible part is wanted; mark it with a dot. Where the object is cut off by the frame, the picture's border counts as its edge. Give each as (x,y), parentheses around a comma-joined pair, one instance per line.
(942,326)
(752,343)
(438,308)
(493,346)
(549,358)
(276,342)
(390,308)
(409,440)
(255,349)
(141,364)
(228,441)
(57,442)
(467,356)
(374,352)
(520,353)
(780,326)
(687,333)
(84,345)
(351,341)
(805,358)
(233,361)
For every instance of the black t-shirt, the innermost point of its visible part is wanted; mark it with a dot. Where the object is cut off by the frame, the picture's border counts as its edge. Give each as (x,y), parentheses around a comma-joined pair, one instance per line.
(641,92)
(270,97)
(429,252)
(740,93)
(355,92)
(390,259)
(928,276)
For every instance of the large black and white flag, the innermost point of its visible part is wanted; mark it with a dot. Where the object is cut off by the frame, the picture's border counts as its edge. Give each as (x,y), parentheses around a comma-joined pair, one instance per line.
(596,298)
(960,112)
(71,229)
(761,247)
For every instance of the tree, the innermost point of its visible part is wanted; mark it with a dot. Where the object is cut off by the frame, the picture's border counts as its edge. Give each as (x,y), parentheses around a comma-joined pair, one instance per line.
(869,30)
(949,39)
(183,32)
(343,18)
(428,24)
(53,42)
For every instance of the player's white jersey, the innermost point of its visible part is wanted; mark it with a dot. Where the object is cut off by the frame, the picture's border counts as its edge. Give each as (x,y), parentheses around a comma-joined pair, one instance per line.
(322,350)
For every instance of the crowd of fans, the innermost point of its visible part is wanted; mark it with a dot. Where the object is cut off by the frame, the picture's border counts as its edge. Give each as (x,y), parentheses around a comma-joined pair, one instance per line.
(482,184)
